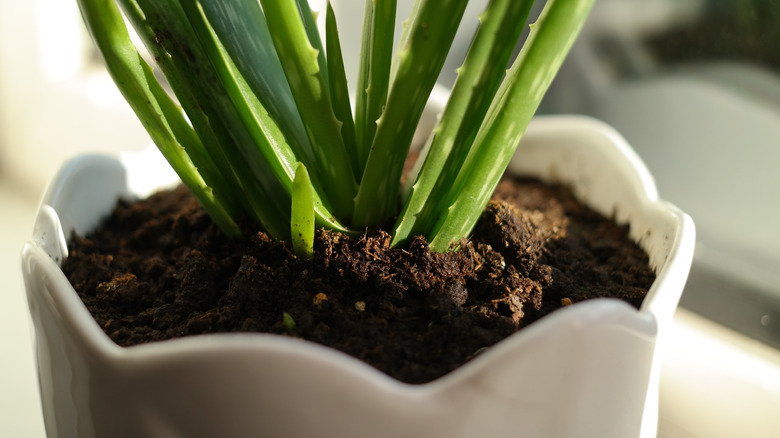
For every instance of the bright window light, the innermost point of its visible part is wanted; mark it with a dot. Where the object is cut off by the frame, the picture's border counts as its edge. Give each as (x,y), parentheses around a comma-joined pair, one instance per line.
(62,43)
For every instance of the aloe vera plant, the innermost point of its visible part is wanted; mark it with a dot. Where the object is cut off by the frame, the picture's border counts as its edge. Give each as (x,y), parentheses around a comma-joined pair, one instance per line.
(261,123)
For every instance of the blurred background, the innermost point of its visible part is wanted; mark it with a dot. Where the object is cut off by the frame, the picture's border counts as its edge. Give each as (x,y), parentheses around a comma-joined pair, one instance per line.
(694,85)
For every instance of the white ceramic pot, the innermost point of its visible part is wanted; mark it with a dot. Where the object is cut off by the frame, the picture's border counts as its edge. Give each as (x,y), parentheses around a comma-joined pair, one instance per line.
(588,370)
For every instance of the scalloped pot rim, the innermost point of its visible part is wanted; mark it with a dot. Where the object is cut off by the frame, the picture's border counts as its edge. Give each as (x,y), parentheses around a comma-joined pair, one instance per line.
(590,369)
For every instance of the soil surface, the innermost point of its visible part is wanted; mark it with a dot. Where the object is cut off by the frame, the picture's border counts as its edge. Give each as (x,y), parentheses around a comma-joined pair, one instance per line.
(160,269)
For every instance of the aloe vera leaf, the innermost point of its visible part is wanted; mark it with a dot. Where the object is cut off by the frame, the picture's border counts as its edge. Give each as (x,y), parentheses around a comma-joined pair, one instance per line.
(241,28)
(242,31)
(478,79)
(515,104)
(299,61)
(312,31)
(421,60)
(194,148)
(166,31)
(376,55)
(261,127)
(302,214)
(406,31)
(339,89)
(159,115)
(203,158)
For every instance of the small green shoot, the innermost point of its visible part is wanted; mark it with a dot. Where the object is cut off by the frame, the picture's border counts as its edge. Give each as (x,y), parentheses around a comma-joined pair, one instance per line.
(288,322)
(302,221)
(261,123)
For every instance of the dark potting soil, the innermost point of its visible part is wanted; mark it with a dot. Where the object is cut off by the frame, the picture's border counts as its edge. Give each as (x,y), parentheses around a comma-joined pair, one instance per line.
(159,269)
